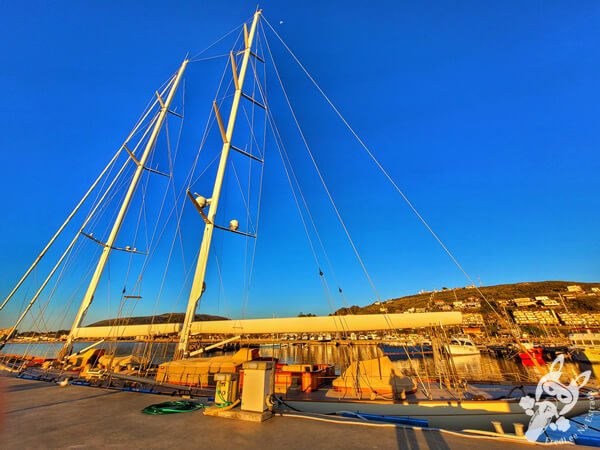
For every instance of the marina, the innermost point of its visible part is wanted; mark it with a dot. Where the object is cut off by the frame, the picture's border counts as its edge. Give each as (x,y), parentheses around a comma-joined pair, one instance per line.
(163,228)
(485,366)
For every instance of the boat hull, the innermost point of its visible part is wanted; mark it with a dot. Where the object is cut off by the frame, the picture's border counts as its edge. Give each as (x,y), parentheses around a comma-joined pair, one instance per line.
(532,357)
(462,350)
(587,355)
(449,415)
(399,353)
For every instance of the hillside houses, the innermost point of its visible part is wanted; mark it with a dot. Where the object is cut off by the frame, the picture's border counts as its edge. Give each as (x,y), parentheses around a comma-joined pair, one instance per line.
(523,302)
(537,317)
(555,303)
(550,302)
(580,320)
(472,320)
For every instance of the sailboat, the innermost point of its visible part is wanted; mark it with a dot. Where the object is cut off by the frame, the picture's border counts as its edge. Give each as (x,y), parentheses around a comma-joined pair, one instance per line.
(370,386)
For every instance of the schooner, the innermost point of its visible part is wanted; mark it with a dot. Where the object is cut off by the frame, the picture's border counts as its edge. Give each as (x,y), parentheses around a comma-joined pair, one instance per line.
(472,407)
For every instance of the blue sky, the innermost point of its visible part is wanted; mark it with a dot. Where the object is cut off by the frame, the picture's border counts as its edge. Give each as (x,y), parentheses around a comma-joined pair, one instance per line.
(485,114)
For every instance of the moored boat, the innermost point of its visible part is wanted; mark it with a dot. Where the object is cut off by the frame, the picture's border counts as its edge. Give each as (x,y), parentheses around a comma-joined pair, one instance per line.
(585,347)
(461,346)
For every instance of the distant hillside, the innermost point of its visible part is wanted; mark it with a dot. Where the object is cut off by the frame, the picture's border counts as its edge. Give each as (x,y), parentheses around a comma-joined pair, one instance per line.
(162,318)
(582,303)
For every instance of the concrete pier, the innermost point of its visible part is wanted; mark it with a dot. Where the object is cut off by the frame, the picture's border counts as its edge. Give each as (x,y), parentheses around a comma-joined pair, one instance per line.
(44,415)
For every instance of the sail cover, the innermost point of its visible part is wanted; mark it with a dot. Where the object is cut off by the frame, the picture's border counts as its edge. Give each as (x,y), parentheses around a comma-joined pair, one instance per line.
(324,324)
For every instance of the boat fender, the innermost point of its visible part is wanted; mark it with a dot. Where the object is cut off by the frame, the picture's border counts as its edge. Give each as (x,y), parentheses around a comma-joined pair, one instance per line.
(519,429)
(498,427)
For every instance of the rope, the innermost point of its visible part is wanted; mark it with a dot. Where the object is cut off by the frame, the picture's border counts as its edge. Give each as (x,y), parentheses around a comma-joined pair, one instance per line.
(385,173)
(320,175)
(193,58)
(279,144)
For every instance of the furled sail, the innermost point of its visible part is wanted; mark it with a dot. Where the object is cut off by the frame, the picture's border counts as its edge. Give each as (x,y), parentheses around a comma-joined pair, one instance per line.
(324,324)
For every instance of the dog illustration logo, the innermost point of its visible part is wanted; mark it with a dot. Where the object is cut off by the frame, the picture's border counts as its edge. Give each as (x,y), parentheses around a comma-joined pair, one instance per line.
(558,400)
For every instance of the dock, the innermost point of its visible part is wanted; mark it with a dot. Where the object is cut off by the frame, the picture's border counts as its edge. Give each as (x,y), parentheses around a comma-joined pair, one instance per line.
(39,414)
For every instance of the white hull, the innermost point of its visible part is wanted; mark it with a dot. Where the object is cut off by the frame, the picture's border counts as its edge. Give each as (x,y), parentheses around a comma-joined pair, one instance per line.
(449,415)
(462,350)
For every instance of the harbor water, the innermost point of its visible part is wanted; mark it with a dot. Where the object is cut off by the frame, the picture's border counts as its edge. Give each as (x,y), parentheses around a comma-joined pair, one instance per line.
(484,367)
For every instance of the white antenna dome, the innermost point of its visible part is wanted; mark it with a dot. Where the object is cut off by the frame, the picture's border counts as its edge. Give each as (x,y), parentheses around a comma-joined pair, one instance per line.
(202,201)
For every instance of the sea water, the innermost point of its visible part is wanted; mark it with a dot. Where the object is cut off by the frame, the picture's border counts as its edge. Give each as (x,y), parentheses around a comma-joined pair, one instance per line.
(484,367)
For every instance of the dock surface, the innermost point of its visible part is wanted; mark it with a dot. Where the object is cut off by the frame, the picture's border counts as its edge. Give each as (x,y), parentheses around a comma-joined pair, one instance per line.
(44,415)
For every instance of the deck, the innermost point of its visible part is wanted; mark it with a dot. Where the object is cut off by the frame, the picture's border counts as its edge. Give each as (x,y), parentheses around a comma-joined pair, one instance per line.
(43,415)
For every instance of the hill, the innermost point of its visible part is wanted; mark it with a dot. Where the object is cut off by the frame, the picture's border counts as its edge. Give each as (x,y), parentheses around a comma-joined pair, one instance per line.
(494,294)
(162,318)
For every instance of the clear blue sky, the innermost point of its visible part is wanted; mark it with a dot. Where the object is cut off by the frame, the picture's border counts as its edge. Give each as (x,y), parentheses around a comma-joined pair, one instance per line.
(486,114)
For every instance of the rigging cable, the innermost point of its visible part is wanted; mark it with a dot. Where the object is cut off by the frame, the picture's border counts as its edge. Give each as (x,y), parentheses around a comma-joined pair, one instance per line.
(193,58)
(354,248)
(186,185)
(361,142)
(384,172)
(279,144)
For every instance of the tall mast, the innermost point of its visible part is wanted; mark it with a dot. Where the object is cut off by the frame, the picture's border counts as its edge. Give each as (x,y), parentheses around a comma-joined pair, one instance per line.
(199,275)
(76,209)
(108,246)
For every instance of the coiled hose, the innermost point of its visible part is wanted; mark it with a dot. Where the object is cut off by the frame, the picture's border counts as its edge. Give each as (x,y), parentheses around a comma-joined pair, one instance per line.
(179,406)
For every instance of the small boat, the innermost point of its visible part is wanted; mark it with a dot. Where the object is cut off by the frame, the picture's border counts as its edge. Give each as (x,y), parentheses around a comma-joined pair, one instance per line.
(461,346)
(528,353)
(531,357)
(397,351)
(551,351)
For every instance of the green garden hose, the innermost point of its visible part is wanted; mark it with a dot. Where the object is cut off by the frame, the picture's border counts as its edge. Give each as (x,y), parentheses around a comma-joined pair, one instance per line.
(172,407)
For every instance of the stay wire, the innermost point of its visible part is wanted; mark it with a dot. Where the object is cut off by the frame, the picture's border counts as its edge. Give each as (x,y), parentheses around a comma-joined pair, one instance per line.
(351,241)
(261,178)
(279,145)
(194,58)
(383,170)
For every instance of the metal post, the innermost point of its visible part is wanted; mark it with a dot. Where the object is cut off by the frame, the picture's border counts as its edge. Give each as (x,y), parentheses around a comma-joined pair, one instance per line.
(199,275)
(89,295)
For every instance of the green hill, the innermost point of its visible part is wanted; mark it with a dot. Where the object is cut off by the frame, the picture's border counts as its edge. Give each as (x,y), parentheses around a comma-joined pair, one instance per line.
(552,289)
(162,318)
